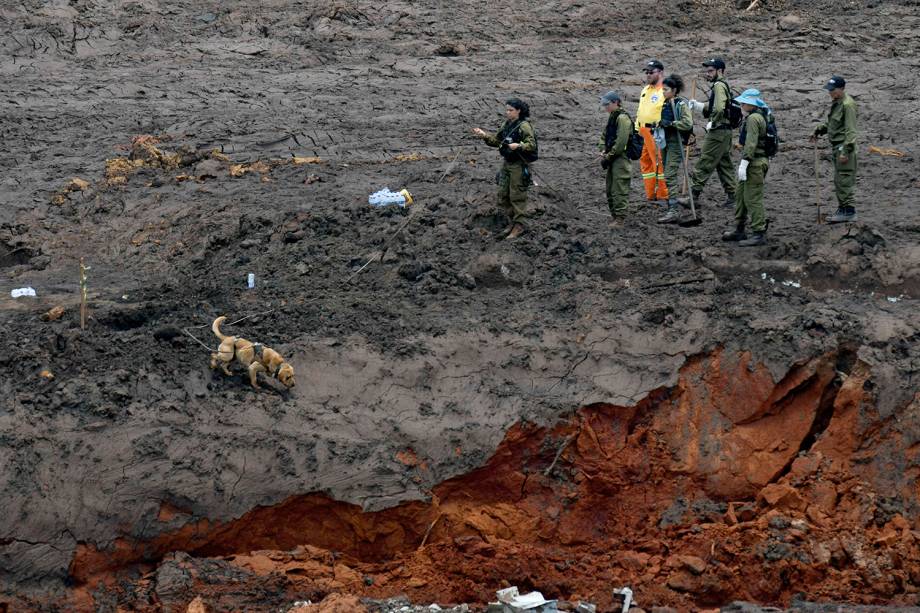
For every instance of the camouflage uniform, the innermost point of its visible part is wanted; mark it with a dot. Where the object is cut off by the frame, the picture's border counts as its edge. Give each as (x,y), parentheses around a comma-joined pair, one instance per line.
(619,169)
(717,146)
(514,176)
(749,197)
(840,128)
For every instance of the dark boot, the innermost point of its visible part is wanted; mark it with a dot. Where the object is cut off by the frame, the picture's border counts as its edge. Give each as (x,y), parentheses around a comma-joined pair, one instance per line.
(756,239)
(844,214)
(729,201)
(735,235)
(672,214)
(684,201)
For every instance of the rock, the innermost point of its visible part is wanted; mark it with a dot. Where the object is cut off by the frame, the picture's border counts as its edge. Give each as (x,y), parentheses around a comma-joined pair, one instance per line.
(417,582)
(824,495)
(197,606)
(790,22)
(466,280)
(632,560)
(497,270)
(54,314)
(781,496)
(209,168)
(682,581)
(694,564)
(413,271)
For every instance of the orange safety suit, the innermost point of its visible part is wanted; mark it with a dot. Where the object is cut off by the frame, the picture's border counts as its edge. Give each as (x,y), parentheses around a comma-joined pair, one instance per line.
(650,102)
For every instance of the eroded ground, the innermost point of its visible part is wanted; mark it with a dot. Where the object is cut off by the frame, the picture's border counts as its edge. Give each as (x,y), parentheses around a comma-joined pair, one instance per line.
(574,411)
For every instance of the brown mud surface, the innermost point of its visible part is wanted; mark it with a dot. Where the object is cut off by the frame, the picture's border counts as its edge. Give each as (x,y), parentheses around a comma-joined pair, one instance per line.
(578,410)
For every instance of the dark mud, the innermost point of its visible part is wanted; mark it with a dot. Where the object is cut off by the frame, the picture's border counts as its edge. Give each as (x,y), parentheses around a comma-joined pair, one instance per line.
(454,337)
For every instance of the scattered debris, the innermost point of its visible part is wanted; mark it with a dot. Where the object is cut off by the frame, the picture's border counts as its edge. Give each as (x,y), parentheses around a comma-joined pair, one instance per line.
(510,600)
(791,283)
(626,595)
(886,152)
(46,374)
(251,280)
(385,197)
(54,314)
(22,291)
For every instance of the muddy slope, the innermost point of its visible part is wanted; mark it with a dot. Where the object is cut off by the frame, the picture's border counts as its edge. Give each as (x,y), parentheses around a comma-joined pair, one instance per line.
(435,353)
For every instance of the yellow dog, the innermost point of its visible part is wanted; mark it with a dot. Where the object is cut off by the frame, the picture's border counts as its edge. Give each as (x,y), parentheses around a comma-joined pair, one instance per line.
(254,357)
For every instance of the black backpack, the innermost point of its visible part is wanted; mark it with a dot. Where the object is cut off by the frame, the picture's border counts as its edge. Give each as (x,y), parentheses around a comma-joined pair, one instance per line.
(634,144)
(771,139)
(733,110)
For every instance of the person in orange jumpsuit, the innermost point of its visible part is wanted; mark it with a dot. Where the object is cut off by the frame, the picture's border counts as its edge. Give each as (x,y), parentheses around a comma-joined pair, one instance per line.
(648,116)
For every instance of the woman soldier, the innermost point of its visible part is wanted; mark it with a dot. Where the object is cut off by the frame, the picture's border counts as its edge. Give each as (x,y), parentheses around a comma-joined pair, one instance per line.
(677,123)
(517,144)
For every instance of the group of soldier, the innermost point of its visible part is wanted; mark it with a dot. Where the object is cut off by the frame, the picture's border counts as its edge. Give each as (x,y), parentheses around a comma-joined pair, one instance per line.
(664,121)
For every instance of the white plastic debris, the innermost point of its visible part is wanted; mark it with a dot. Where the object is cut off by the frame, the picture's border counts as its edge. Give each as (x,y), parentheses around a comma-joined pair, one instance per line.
(22,291)
(627,595)
(525,602)
(895,298)
(791,283)
(508,594)
(251,280)
(385,197)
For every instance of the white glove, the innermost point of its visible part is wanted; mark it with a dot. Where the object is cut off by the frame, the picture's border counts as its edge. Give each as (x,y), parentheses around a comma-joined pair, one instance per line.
(696,106)
(742,170)
(709,126)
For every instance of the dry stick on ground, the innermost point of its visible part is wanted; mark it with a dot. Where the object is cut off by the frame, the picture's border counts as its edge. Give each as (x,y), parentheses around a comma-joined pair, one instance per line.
(562,447)
(681,281)
(83,269)
(753,5)
(430,528)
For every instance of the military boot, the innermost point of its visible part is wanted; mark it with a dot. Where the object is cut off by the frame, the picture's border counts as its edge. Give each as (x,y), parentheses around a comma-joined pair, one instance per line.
(684,201)
(843,215)
(672,214)
(729,201)
(756,239)
(735,235)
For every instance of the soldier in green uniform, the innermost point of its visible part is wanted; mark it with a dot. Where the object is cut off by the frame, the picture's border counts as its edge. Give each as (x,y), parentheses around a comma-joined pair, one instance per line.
(517,144)
(613,157)
(677,123)
(840,128)
(717,146)
(751,172)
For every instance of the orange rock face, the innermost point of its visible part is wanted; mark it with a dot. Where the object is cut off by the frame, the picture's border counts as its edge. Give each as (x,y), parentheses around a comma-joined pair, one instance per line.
(728,487)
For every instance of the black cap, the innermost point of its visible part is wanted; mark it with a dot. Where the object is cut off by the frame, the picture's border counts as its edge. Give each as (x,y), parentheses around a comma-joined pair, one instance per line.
(653,65)
(715,62)
(835,83)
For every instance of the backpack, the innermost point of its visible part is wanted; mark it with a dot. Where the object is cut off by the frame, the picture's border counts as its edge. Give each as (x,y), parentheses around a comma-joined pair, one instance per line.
(771,138)
(733,110)
(635,144)
(733,114)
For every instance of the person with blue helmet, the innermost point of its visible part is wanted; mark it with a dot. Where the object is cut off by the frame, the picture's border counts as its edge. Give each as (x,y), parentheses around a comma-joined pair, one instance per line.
(752,170)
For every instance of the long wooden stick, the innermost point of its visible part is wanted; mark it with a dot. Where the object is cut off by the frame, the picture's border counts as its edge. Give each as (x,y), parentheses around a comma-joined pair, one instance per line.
(817,184)
(82,295)
(687,155)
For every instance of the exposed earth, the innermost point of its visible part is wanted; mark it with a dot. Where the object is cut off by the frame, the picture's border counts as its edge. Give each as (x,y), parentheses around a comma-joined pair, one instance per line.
(577,410)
